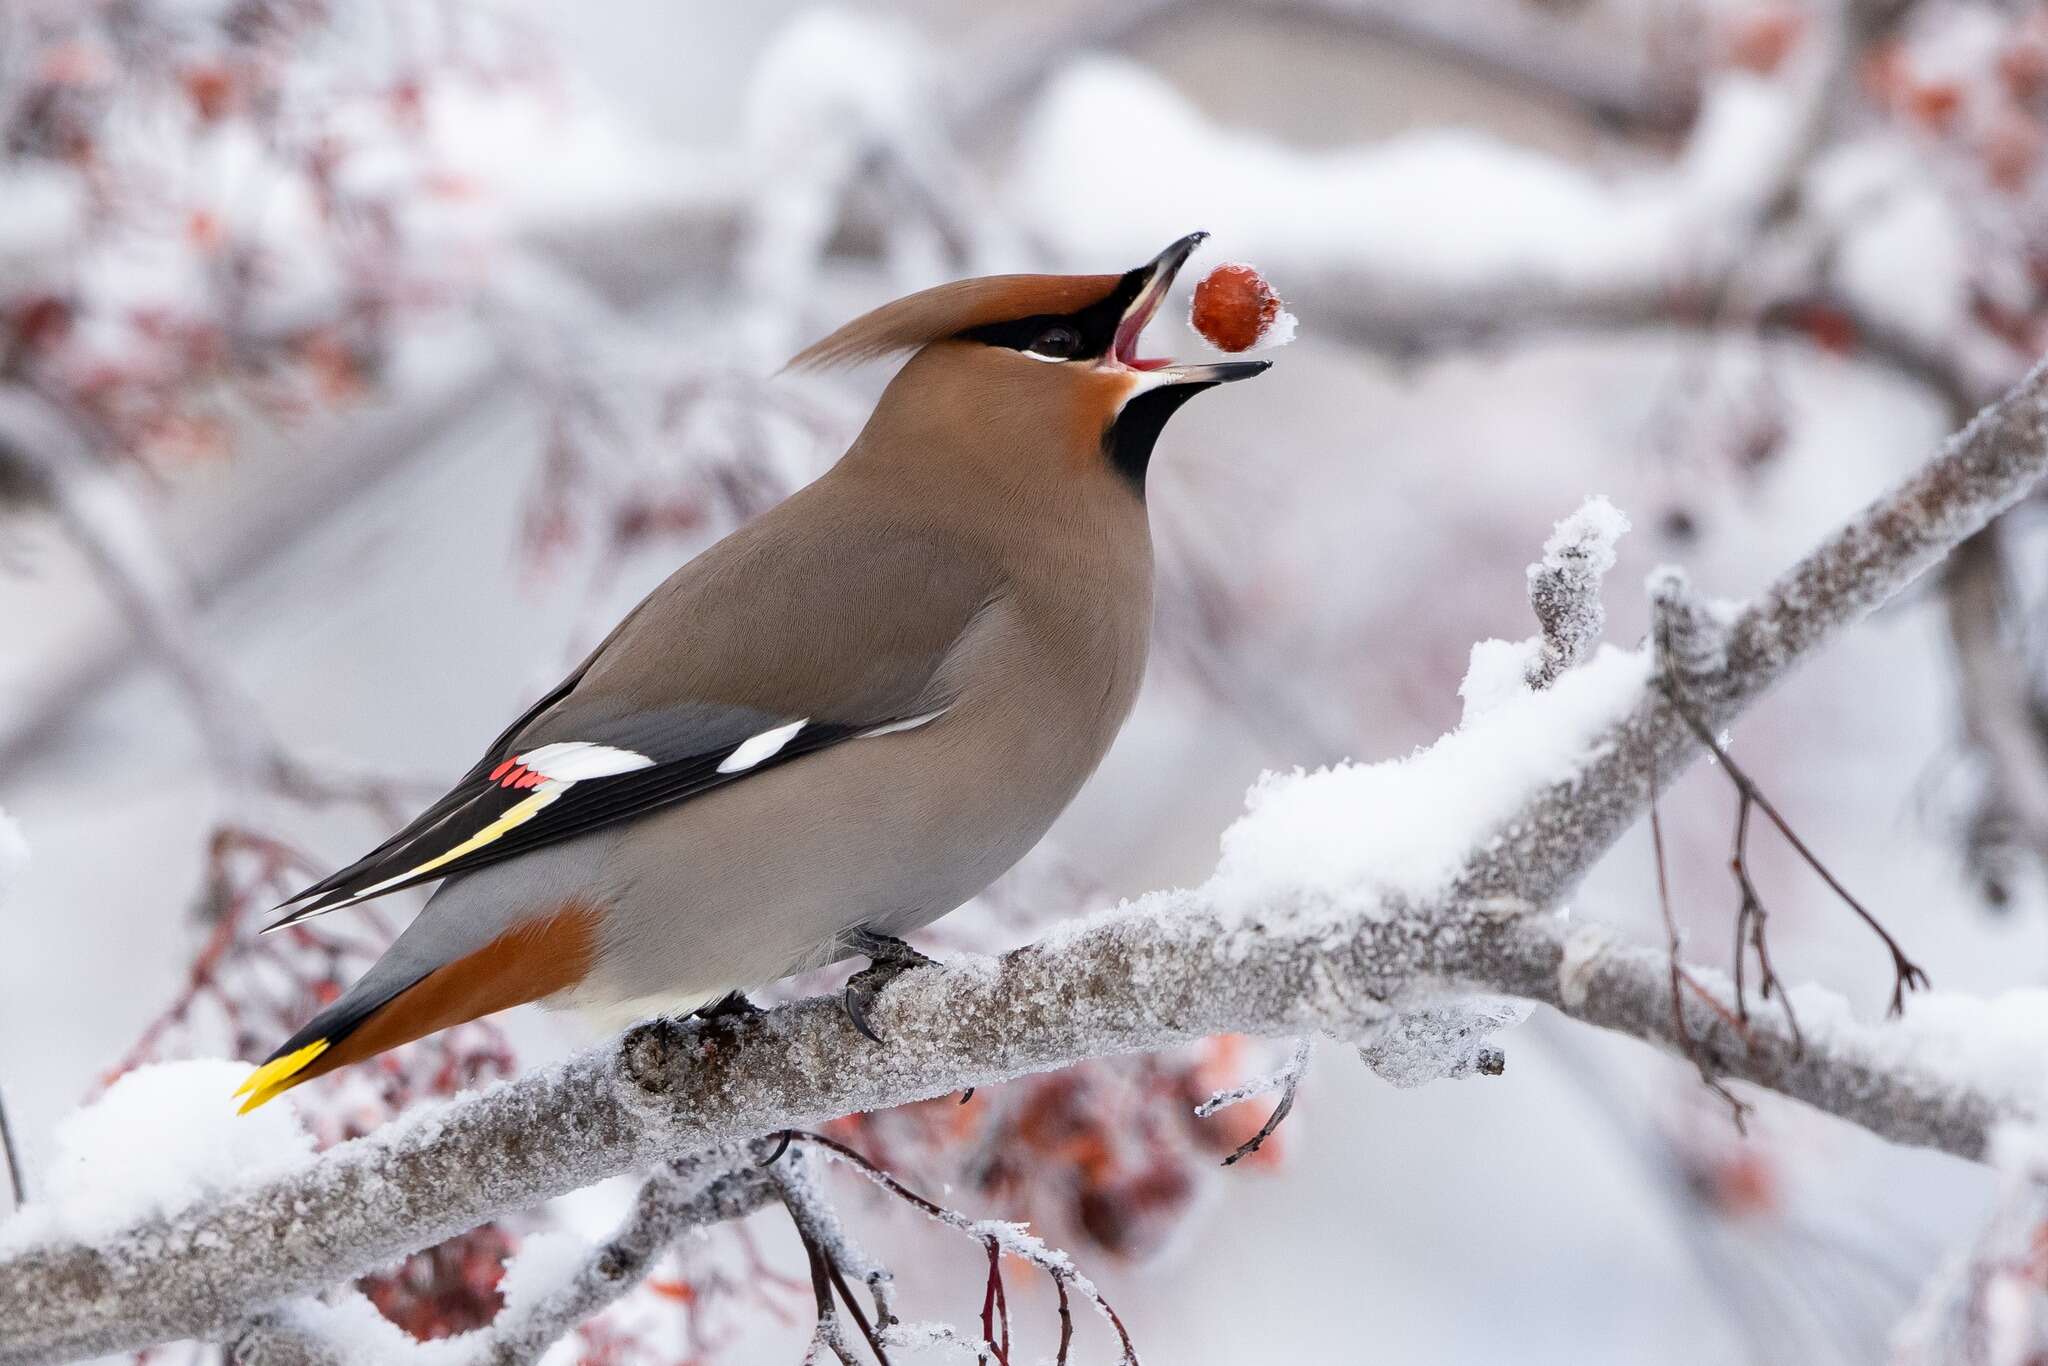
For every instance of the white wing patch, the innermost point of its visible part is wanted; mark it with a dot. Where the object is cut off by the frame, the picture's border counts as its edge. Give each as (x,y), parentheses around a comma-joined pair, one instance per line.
(570,761)
(757,749)
(907,723)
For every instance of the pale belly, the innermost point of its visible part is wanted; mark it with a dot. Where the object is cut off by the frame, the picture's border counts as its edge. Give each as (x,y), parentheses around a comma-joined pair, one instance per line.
(765,878)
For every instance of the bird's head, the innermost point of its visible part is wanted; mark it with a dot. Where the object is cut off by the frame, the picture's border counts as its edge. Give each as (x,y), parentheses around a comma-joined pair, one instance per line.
(1019,370)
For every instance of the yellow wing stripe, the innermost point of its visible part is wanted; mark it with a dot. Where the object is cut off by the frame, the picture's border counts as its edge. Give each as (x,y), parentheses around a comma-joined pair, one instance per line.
(276,1075)
(543,796)
(519,815)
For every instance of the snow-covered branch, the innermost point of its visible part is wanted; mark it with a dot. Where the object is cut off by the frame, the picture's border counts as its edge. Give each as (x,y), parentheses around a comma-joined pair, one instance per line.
(1981,471)
(1564,589)
(1293,936)
(680,1197)
(662,1093)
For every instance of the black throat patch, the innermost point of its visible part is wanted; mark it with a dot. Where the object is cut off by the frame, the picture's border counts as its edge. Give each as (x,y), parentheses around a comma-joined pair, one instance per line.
(1128,442)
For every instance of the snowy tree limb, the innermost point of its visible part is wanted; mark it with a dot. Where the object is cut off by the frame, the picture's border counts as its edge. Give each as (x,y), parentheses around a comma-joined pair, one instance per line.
(1980,472)
(663,1092)
(679,1198)
(675,1201)
(1172,968)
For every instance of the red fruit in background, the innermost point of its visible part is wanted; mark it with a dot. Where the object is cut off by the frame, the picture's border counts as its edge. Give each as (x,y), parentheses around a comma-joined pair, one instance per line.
(1233,308)
(1935,104)
(446,1289)
(1761,40)
(211,90)
(2012,149)
(39,320)
(1133,1217)
(2023,62)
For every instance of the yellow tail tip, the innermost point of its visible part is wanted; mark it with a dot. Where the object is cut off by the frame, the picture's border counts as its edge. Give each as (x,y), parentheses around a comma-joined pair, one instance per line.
(277,1075)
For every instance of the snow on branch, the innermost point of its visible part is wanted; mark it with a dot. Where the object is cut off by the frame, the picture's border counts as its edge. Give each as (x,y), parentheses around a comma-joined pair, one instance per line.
(1564,587)
(1734,656)
(1292,937)
(551,1287)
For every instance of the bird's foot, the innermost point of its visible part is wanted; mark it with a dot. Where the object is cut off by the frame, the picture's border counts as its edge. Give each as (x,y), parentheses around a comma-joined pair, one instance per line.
(888,959)
(734,1005)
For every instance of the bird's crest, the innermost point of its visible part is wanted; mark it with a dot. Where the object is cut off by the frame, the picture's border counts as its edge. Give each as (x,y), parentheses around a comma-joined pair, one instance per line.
(948,310)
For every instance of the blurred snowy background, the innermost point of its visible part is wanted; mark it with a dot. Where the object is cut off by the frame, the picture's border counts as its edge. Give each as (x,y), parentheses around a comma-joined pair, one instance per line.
(359,364)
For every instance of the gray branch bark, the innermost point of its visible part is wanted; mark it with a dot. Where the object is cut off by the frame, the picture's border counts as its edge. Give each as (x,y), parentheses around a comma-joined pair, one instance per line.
(1168,970)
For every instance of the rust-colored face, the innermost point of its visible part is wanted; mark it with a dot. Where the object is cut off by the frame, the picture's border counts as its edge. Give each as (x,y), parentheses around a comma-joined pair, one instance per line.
(1048,361)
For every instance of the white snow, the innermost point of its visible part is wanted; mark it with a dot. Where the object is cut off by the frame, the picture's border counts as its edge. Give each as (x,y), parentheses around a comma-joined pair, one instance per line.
(1359,836)
(1908,262)
(349,1326)
(1564,586)
(933,1341)
(162,1137)
(1586,943)
(1745,122)
(1448,1039)
(1424,208)
(1997,1044)
(1904,255)
(1279,332)
(1586,538)
(1498,673)
(546,1262)
(837,68)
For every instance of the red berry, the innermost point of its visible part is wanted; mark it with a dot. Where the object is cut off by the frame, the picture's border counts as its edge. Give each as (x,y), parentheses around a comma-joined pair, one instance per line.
(1233,308)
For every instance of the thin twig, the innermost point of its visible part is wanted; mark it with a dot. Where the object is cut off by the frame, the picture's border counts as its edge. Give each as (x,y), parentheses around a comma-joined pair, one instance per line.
(1751,915)
(991,1297)
(1286,1081)
(829,1249)
(826,1334)
(995,1304)
(1680,978)
(1906,974)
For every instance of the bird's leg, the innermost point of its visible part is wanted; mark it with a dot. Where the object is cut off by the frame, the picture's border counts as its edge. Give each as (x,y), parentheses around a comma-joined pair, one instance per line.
(888,959)
(732,1005)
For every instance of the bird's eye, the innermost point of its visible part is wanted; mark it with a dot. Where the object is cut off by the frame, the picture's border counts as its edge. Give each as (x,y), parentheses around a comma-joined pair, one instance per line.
(1055,343)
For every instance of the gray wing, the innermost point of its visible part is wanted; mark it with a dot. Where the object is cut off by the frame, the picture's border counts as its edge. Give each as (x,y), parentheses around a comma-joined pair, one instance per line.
(778,642)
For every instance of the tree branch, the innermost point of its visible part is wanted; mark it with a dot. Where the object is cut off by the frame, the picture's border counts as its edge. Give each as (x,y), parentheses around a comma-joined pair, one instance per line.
(1980,472)
(676,1200)
(1173,967)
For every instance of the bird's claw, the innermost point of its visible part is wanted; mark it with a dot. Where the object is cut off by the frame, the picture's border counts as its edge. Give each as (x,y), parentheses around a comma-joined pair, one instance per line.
(888,959)
(732,1005)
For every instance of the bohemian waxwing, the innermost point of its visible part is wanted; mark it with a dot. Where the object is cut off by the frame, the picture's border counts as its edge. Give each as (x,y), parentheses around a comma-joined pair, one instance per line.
(832,727)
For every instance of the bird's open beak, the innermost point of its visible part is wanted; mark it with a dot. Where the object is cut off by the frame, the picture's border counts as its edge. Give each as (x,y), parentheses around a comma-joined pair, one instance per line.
(1158,279)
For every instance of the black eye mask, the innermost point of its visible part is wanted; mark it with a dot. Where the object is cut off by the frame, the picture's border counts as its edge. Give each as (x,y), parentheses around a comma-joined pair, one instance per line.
(1088,332)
